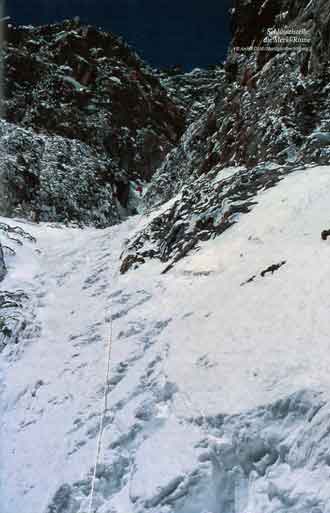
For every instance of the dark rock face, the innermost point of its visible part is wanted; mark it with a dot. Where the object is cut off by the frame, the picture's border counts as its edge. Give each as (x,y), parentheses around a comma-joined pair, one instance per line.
(269,114)
(89,103)
(104,120)
(250,20)
(275,110)
(189,160)
(81,83)
(195,91)
(274,100)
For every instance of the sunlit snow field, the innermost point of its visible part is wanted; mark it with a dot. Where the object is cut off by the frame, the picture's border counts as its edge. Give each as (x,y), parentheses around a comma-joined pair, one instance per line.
(219,392)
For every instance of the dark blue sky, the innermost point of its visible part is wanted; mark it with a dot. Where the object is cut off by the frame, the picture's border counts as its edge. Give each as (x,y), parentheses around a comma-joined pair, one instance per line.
(164,32)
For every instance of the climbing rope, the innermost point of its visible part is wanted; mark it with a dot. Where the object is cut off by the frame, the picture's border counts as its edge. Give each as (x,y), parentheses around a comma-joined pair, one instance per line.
(106,390)
(102,414)
(185,396)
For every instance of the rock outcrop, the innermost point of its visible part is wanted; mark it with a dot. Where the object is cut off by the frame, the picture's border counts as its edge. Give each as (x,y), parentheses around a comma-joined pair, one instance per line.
(98,120)
(107,108)
(269,111)
(52,178)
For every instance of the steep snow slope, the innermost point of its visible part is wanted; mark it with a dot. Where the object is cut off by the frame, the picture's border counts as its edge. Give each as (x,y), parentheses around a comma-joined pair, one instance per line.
(219,389)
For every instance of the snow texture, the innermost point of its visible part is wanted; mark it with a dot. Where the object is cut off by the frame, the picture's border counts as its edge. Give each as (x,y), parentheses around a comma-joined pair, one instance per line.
(219,386)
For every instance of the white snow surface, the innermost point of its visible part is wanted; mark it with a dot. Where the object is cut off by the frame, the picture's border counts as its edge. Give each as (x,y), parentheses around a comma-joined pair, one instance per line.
(218,394)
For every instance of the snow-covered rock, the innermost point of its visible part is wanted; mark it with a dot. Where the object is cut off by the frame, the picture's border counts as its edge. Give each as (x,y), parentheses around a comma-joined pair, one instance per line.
(206,207)
(57,179)
(204,389)
(88,92)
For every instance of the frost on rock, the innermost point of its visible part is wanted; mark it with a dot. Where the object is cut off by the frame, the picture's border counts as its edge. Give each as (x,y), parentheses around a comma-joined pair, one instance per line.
(218,394)
(79,82)
(204,209)
(55,179)
(264,111)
